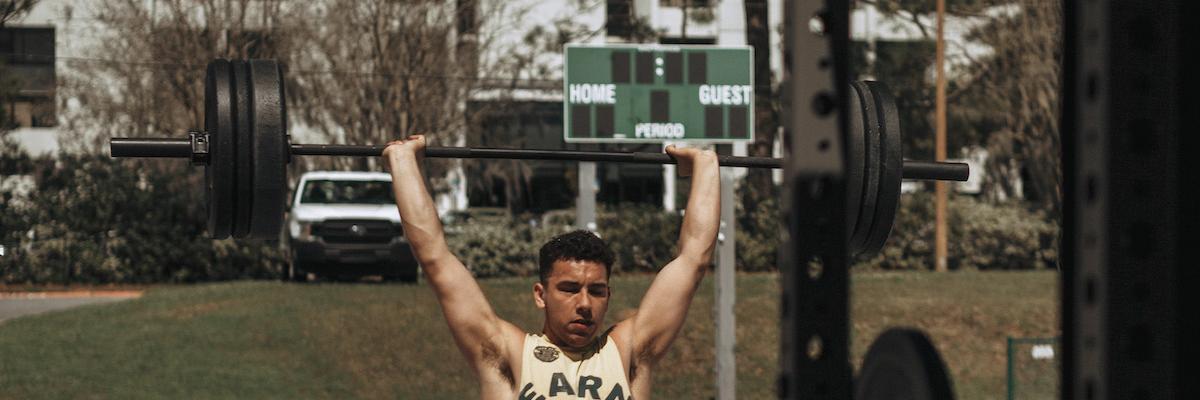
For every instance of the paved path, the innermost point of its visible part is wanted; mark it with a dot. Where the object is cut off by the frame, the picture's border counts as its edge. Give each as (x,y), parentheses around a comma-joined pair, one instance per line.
(14,305)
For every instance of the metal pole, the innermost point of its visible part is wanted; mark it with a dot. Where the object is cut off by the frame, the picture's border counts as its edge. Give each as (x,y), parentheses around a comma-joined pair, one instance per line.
(669,177)
(585,200)
(1011,384)
(725,292)
(182,148)
(940,231)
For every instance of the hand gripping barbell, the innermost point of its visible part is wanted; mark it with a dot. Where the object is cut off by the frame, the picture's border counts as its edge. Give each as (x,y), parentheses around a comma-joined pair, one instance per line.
(245,146)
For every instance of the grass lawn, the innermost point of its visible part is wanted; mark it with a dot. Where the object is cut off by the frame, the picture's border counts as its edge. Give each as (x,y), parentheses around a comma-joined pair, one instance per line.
(279,340)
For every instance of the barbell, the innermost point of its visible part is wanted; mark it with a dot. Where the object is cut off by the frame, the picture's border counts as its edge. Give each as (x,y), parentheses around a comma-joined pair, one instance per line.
(244,148)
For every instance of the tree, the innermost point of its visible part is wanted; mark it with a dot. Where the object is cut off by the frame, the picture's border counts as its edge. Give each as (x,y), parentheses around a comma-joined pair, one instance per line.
(13,9)
(503,119)
(1006,100)
(1015,90)
(156,88)
(766,100)
(377,70)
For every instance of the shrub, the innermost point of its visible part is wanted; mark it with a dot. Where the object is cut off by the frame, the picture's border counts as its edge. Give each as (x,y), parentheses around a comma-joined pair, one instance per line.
(759,225)
(509,247)
(495,248)
(982,236)
(93,219)
(644,237)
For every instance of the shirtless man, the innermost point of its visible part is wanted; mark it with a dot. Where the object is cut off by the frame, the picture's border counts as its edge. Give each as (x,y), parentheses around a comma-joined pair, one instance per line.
(572,357)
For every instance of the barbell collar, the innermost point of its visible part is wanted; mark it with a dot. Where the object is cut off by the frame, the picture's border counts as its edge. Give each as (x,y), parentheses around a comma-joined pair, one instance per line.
(182,148)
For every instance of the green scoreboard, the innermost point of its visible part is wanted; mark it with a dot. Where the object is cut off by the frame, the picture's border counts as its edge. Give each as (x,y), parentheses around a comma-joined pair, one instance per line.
(655,93)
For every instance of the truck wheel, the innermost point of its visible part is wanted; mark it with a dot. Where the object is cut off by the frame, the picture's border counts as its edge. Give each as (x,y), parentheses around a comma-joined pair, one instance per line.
(403,273)
(297,274)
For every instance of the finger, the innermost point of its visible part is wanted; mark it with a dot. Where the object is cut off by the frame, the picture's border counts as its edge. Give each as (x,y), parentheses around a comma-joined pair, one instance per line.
(388,147)
(675,151)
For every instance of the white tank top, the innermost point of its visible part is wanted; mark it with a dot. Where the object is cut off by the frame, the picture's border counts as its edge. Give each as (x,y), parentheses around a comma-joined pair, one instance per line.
(547,372)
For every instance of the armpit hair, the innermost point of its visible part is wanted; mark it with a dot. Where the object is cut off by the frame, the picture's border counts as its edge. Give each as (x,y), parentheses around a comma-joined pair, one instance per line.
(493,358)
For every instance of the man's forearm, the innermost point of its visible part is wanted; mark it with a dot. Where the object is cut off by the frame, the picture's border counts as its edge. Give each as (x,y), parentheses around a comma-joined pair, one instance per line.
(417,212)
(703,217)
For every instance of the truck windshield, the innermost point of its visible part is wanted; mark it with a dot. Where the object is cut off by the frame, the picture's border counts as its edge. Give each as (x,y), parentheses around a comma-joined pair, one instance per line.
(347,192)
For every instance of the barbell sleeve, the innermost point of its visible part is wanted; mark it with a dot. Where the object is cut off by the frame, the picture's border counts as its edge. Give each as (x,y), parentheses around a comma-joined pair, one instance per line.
(181,148)
(936,171)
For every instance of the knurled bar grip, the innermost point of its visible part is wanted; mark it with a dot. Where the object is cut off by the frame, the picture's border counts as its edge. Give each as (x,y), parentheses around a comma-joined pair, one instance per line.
(182,148)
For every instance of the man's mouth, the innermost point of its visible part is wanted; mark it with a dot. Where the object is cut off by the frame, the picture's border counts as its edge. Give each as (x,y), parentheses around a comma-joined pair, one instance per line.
(581,324)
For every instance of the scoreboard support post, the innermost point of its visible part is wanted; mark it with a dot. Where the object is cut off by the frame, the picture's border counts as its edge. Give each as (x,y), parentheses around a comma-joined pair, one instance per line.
(585,200)
(725,286)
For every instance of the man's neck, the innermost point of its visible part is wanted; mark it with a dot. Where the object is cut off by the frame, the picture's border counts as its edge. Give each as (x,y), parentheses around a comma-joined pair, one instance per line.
(591,346)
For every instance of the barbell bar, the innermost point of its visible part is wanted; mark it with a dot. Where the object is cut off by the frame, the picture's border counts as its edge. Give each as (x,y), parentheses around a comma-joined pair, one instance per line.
(182,148)
(244,148)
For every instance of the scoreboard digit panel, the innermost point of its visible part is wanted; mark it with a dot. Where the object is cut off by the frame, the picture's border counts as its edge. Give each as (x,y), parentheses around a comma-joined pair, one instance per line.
(654,93)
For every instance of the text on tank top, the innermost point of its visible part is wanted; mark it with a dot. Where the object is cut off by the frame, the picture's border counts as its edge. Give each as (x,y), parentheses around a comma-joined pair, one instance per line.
(549,373)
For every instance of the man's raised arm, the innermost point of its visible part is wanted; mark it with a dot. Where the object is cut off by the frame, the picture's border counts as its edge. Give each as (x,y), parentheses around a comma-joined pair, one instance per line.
(665,305)
(471,319)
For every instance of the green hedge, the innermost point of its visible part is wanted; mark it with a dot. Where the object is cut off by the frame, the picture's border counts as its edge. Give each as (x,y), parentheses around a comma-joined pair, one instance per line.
(94,219)
(982,236)
(759,224)
(643,238)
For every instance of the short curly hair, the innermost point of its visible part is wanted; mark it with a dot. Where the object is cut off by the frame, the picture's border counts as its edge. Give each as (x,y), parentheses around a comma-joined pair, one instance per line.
(579,245)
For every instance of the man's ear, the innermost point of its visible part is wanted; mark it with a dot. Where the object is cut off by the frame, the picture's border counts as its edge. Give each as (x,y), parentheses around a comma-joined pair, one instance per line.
(539,295)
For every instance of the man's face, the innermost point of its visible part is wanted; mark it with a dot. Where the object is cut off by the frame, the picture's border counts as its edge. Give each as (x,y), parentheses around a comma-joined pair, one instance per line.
(575,298)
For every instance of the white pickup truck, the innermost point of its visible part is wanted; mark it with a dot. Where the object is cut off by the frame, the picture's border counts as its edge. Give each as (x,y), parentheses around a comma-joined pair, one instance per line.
(345,225)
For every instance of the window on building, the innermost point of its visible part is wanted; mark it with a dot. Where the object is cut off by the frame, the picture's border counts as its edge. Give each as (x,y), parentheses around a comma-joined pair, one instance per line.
(467,16)
(687,40)
(28,81)
(619,18)
(681,3)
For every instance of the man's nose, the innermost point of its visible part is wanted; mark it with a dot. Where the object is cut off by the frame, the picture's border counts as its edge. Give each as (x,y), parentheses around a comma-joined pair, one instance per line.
(585,304)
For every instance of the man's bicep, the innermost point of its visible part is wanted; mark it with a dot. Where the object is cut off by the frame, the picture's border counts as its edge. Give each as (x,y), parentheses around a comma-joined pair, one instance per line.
(664,308)
(468,313)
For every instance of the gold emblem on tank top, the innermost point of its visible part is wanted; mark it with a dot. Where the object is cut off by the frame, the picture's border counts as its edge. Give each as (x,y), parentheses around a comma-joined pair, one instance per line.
(545,353)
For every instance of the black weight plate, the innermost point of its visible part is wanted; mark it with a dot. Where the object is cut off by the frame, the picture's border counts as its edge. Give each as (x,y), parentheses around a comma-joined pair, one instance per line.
(270,153)
(855,160)
(892,168)
(903,364)
(871,165)
(244,146)
(219,173)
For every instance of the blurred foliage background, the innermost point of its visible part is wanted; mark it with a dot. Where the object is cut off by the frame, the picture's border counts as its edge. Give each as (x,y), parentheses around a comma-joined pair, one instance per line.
(80,216)
(94,219)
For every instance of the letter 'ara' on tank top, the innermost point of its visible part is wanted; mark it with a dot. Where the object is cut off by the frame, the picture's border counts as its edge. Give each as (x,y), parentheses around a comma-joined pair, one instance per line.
(547,372)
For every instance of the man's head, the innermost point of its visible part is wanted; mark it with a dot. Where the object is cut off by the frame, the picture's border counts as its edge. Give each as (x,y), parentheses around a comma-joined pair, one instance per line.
(573,287)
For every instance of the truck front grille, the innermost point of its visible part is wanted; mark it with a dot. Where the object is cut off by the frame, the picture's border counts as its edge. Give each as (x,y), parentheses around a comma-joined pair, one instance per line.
(357,231)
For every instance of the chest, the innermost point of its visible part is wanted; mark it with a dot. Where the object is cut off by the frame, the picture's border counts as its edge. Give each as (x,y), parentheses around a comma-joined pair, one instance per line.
(546,373)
